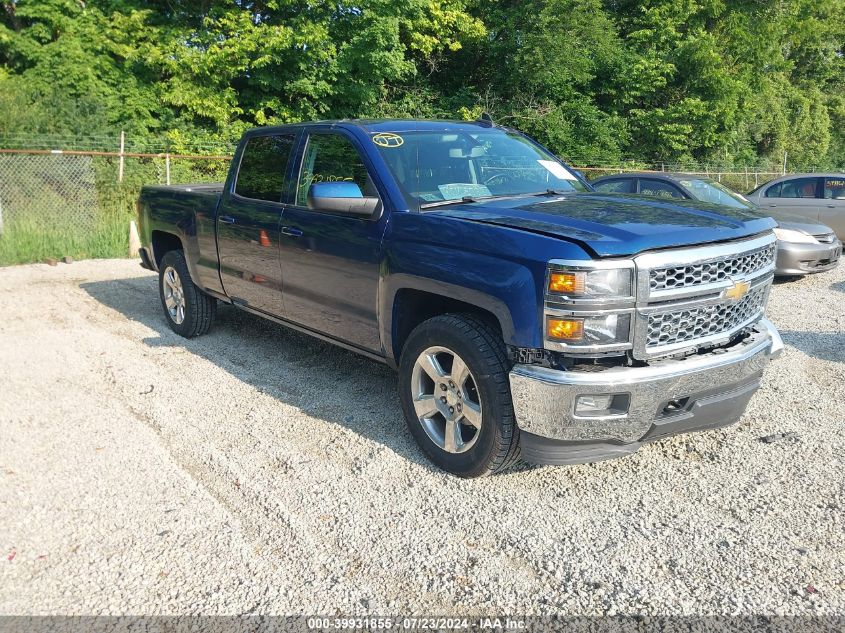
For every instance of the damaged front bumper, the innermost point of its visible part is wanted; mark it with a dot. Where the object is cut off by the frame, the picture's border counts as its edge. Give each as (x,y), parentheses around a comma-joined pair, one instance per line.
(648,403)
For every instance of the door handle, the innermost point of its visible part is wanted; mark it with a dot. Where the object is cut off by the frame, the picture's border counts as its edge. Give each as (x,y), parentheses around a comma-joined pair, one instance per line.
(291,231)
(226,219)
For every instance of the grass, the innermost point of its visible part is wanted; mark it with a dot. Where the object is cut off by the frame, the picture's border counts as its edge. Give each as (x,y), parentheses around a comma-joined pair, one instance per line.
(25,240)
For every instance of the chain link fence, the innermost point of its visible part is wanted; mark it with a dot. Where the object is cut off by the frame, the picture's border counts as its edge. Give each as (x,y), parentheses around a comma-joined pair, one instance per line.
(79,204)
(742,181)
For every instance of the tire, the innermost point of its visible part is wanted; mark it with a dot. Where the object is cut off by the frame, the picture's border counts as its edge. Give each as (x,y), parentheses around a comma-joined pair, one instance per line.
(194,310)
(469,451)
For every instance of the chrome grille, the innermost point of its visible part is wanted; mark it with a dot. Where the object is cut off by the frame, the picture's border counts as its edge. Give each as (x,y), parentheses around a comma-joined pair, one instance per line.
(681,326)
(825,238)
(672,278)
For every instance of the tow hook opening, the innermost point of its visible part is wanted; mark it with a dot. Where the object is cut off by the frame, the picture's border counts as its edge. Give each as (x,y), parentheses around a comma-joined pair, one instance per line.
(675,406)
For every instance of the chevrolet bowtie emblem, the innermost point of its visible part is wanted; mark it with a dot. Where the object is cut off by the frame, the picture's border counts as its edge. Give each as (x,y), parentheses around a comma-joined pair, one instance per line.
(737,291)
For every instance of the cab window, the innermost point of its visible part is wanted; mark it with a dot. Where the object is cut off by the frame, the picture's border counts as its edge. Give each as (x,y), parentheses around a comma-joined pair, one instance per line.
(332,158)
(798,188)
(659,189)
(261,175)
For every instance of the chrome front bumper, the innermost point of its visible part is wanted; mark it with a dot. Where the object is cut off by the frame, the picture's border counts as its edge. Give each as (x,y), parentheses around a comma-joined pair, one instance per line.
(712,390)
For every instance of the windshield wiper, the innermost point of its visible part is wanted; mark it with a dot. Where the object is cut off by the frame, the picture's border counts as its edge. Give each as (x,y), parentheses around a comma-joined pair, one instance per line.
(443,203)
(469,199)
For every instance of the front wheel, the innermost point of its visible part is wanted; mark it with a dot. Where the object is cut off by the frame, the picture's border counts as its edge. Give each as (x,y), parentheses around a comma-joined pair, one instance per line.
(455,393)
(188,310)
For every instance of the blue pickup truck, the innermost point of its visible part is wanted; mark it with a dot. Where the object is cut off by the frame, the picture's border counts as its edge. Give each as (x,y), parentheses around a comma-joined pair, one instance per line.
(527,315)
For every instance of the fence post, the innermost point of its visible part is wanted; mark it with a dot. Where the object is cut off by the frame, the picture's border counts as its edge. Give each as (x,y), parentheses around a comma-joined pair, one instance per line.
(167,167)
(120,164)
(784,162)
(746,177)
(755,180)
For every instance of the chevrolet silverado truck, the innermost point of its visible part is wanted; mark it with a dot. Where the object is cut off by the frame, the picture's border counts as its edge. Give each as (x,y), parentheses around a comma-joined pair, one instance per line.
(528,316)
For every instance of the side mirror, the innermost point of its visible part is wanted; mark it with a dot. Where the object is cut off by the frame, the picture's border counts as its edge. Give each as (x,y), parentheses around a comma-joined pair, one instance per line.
(341,197)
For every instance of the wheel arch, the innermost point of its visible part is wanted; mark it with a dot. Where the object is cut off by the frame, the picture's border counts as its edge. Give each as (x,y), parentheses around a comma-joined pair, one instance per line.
(162,242)
(409,301)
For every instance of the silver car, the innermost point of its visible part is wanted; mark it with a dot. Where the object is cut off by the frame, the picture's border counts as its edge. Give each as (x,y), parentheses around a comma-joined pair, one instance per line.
(816,197)
(803,246)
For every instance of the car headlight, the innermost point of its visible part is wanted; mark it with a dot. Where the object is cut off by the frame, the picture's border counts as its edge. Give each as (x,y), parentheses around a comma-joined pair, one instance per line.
(600,283)
(791,235)
(589,306)
(606,329)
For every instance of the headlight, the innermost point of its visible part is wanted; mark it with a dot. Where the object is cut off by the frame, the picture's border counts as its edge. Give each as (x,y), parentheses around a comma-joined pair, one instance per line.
(600,283)
(589,306)
(790,235)
(607,329)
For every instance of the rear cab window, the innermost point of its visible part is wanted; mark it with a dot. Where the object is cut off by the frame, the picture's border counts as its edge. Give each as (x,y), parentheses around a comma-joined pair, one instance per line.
(264,162)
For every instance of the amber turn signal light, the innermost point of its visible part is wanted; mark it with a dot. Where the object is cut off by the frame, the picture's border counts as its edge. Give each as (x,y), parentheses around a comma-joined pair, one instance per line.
(566,283)
(565,329)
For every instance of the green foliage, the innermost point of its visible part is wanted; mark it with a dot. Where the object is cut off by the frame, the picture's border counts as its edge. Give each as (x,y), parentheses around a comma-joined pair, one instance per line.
(26,240)
(596,80)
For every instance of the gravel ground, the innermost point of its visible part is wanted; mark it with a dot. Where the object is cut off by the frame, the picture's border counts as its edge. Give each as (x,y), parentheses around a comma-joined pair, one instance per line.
(256,470)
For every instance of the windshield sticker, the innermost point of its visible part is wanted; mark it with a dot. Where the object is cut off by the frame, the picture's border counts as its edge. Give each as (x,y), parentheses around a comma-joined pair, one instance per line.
(557,170)
(458,190)
(388,139)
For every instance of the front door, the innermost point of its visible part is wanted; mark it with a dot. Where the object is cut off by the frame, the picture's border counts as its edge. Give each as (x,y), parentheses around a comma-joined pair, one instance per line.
(330,261)
(797,195)
(248,224)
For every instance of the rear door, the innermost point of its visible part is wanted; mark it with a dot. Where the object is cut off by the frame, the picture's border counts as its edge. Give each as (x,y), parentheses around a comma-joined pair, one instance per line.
(795,195)
(248,224)
(330,260)
(833,205)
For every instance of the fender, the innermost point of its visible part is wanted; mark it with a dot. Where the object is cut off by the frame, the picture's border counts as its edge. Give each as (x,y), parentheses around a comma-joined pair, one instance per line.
(392,284)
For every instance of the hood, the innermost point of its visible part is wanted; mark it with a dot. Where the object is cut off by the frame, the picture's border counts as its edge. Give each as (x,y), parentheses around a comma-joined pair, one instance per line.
(794,221)
(615,225)
(803,226)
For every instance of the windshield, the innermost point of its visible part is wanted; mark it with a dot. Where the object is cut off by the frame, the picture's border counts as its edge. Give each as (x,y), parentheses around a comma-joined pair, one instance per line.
(717,193)
(434,168)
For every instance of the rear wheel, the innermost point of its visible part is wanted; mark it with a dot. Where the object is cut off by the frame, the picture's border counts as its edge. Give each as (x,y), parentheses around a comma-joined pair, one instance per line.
(455,393)
(188,310)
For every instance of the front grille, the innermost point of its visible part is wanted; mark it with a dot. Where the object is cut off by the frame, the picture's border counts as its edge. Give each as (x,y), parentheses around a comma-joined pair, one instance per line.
(825,238)
(681,326)
(673,278)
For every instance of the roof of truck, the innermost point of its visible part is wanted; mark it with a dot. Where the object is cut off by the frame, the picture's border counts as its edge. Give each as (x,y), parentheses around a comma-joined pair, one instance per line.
(388,125)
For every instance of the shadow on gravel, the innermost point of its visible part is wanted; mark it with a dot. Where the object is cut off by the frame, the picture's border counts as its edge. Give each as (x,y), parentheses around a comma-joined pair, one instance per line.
(823,345)
(323,380)
(781,280)
(839,286)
